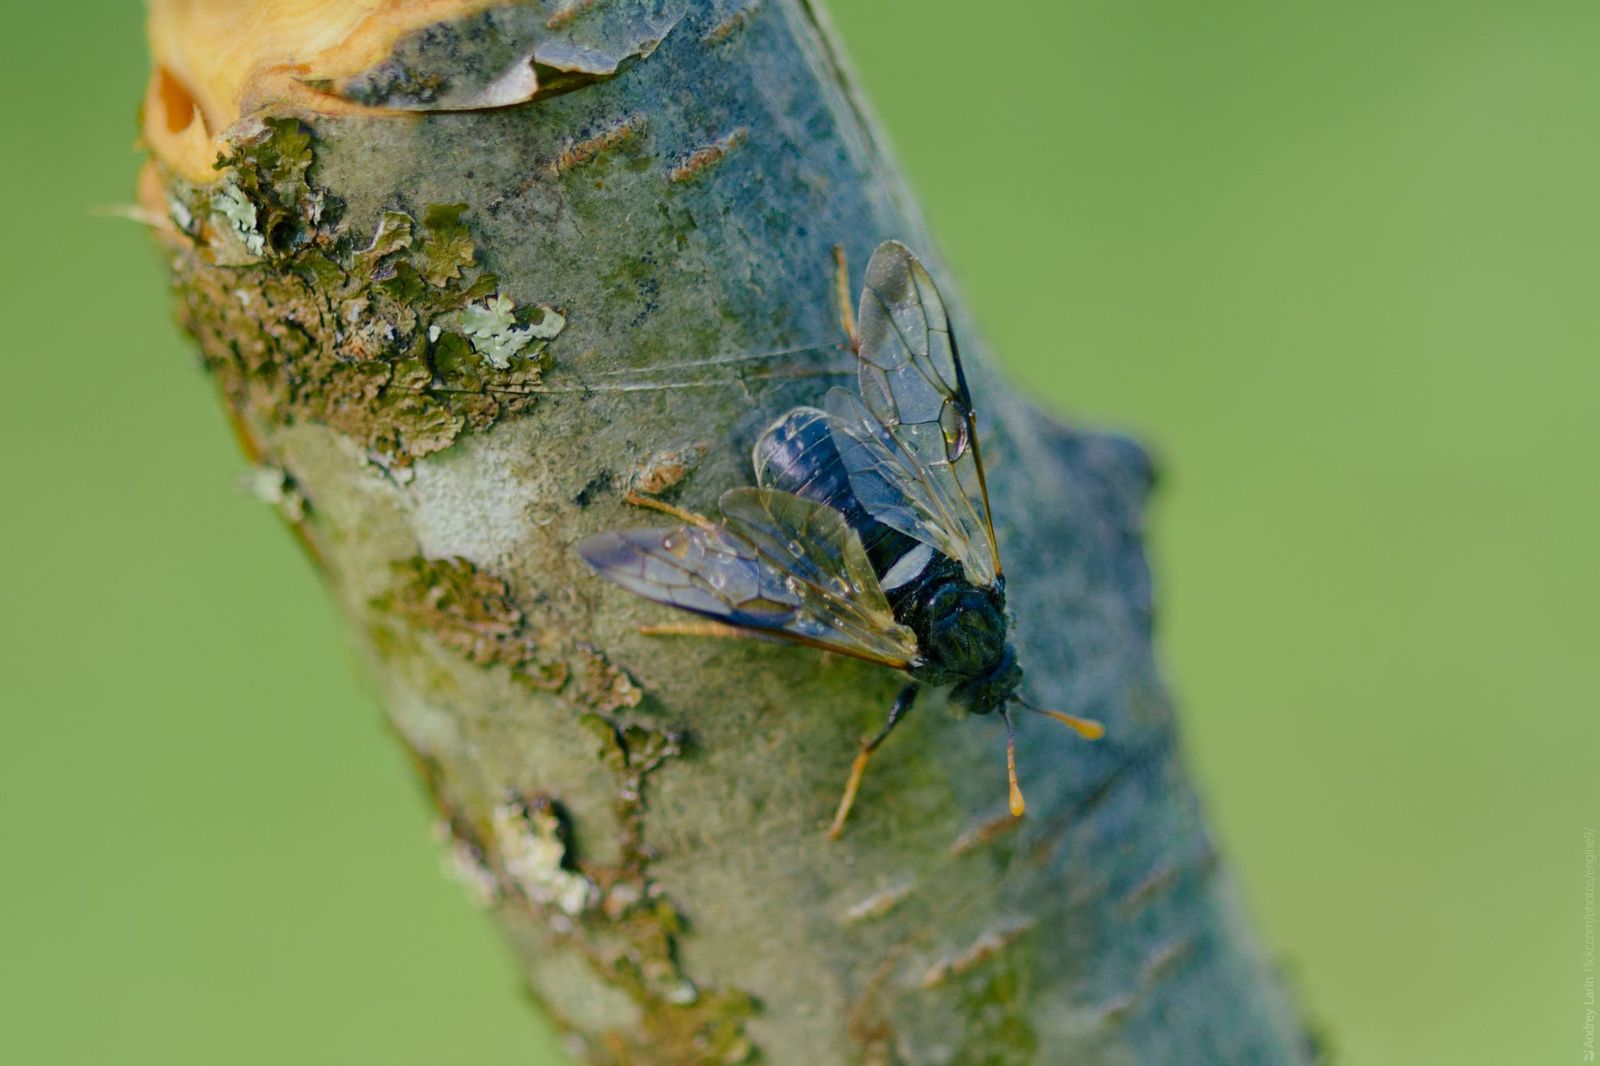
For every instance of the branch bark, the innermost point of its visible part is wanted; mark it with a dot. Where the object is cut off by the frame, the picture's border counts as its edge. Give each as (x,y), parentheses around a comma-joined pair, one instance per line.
(464,273)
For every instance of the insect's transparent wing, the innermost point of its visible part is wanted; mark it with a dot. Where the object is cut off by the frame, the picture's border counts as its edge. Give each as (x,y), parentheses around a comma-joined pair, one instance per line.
(910,442)
(878,474)
(778,565)
(797,454)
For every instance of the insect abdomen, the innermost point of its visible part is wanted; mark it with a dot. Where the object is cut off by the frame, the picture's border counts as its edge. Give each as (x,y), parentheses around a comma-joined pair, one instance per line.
(797,454)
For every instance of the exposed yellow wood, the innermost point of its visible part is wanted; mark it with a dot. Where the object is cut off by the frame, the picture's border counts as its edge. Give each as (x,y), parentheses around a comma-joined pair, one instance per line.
(216,61)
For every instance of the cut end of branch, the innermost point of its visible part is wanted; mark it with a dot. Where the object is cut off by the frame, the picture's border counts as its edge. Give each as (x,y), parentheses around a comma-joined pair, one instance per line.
(217,61)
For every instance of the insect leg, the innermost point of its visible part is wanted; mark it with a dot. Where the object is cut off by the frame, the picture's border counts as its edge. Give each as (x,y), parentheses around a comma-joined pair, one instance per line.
(902,704)
(1017,805)
(700,629)
(847,316)
(653,504)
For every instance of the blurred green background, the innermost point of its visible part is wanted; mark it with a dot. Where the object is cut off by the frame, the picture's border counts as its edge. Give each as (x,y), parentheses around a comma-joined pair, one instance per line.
(1338,263)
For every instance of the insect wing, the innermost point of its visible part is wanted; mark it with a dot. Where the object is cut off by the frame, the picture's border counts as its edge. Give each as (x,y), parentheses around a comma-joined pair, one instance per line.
(797,455)
(824,564)
(779,565)
(910,441)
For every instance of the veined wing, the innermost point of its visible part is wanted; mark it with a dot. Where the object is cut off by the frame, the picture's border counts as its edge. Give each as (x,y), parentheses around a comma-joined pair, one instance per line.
(910,441)
(797,454)
(777,565)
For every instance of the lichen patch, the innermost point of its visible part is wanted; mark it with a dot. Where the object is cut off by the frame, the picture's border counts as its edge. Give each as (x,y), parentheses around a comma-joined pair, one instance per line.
(497,335)
(603,685)
(471,613)
(394,337)
(533,852)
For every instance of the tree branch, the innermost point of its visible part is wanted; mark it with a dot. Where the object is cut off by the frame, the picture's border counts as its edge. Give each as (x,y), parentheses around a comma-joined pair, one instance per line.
(466,274)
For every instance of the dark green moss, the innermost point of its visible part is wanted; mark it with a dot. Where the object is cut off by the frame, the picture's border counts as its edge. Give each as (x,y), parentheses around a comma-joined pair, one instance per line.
(993,1001)
(471,612)
(630,937)
(270,171)
(678,1022)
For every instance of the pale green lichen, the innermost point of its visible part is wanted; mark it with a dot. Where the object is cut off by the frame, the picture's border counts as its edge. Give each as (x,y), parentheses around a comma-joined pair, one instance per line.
(305,319)
(681,1022)
(496,334)
(231,203)
(391,334)
(533,854)
(611,914)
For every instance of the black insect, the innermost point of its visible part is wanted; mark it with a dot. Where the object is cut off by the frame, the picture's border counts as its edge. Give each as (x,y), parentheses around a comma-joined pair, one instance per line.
(869,533)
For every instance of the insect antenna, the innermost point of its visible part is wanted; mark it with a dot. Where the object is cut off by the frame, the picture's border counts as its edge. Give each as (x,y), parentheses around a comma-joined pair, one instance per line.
(1017,804)
(1087,728)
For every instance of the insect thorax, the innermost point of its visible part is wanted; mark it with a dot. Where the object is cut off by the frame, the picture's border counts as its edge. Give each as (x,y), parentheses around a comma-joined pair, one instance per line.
(961,632)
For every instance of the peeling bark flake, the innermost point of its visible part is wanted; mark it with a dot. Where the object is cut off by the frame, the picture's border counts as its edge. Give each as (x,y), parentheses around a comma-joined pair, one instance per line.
(565,14)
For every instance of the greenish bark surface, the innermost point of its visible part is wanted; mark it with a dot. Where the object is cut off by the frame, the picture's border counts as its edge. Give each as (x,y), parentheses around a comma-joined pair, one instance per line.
(453,339)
